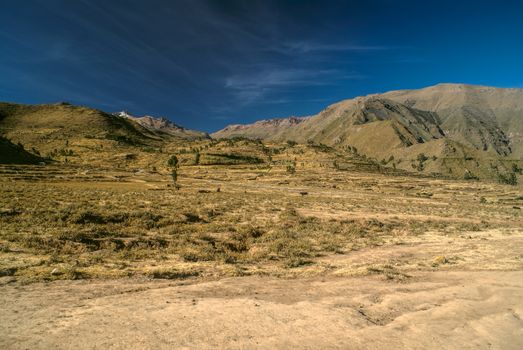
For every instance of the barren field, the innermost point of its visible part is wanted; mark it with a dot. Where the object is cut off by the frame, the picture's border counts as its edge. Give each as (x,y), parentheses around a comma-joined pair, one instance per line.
(245,256)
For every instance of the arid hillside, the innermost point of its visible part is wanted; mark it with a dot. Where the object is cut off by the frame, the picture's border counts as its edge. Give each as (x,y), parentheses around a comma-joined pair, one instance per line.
(488,118)
(80,135)
(377,127)
(462,130)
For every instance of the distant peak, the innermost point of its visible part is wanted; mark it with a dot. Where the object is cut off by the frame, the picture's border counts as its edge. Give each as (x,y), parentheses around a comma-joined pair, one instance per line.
(123,114)
(150,122)
(278,121)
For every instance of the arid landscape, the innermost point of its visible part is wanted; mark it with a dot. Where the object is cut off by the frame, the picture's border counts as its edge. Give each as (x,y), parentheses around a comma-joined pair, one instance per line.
(256,244)
(261,174)
(340,254)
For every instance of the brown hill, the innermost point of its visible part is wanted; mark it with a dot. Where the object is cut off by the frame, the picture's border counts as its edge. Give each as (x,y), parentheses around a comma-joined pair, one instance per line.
(372,125)
(486,118)
(470,130)
(68,133)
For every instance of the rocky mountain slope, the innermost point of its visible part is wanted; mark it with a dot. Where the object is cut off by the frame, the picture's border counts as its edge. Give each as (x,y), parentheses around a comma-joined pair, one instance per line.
(455,129)
(163,126)
(458,130)
(263,129)
(487,118)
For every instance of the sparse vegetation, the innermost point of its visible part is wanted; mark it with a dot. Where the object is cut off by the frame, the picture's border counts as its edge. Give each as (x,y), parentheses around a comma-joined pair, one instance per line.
(230,158)
(172,163)
(508,179)
(291,167)
(421,158)
(244,209)
(469,176)
(121,227)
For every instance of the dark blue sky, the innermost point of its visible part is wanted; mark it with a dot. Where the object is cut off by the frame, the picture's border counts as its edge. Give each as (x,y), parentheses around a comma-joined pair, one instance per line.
(205,64)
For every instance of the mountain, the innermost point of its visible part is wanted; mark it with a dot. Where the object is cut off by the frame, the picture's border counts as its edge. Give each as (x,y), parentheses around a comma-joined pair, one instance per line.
(373,125)
(263,129)
(446,123)
(487,118)
(52,125)
(85,135)
(163,126)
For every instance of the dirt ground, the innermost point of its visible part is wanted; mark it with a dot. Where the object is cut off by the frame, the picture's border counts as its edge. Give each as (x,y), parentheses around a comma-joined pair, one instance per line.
(248,257)
(472,303)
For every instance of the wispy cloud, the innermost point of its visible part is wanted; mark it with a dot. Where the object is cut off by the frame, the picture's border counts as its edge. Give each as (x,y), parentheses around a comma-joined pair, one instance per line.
(251,87)
(311,46)
(276,77)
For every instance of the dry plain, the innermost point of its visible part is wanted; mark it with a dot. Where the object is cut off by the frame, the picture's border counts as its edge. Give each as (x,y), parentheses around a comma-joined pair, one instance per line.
(249,256)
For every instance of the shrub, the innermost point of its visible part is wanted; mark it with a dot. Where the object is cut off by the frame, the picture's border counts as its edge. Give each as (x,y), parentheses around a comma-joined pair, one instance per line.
(173,161)
(508,179)
(291,168)
(469,176)
(422,157)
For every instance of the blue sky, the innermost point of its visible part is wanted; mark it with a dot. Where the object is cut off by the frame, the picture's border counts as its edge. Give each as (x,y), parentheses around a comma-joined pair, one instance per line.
(206,64)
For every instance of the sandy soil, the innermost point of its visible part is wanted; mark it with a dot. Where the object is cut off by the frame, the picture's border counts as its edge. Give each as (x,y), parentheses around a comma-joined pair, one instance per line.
(475,302)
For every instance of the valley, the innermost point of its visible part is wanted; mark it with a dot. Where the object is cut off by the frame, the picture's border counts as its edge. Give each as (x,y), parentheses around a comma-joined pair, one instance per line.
(204,241)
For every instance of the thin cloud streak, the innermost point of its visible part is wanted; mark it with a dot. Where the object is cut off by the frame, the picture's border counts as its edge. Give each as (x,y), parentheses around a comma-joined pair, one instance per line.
(251,88)
(309,47)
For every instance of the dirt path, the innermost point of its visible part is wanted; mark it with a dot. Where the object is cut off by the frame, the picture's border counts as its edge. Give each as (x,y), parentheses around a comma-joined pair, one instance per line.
(475,302)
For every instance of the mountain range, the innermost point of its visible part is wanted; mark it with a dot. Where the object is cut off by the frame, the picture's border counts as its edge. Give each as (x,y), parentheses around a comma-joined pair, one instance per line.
(451,124)
(485,118)
(453,129)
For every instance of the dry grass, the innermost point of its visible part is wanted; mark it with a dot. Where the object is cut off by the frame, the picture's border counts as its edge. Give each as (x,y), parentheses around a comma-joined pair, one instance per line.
(65,222)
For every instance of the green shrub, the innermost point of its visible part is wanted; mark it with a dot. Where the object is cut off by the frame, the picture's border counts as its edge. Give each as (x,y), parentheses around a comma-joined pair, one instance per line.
(172,162)
(508,179)
(469,176)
